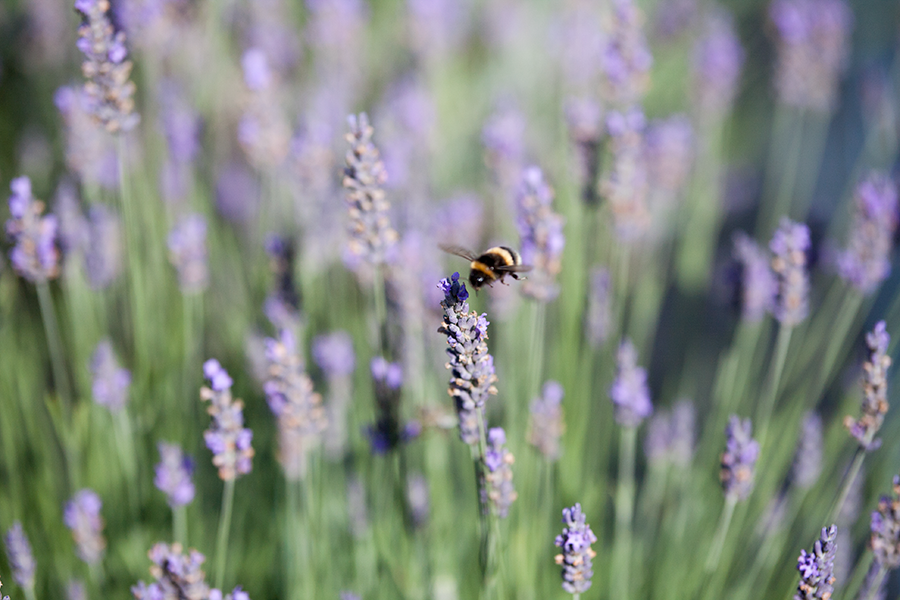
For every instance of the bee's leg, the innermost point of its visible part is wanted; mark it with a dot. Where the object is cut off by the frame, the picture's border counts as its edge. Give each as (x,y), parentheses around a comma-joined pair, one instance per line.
(514,276)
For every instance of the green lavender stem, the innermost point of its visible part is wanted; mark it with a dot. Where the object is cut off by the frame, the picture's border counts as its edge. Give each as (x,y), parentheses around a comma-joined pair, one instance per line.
(852,473)
(224,527)
(715,551)
(624,504)
(179,525)
(776,369)
(486,558)
(54,343)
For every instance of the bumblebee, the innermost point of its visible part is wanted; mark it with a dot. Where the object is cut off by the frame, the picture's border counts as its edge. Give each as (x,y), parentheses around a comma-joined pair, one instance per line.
(491,265)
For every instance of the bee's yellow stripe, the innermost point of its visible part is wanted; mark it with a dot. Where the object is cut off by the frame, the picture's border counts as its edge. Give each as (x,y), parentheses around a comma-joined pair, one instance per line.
(483,268)
(508,259)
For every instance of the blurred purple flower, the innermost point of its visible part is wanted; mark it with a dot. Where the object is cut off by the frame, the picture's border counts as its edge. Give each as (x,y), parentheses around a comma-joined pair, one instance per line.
(584,120)
(227,438)
(885,526)
(789,246)
(717,63)
(110,381)
(72,230)
(541,235)
(503,137)
(180,123)
(237,193)
(75,590)
(670,435)
(177,575)
(758,284)
(90,149)
(188,253)
(419,499)
(739,458)
(598,316)
(333,353)
(547,425)
(625,184)
(263,131)
(436,27)
(388,433)
(629,392)
(82,516)
(669,147)
(875,383)
(21,559)
(103,253)
(173,474)
(808,459)
(577,555)
(35,256)
(498,490)
(626,59)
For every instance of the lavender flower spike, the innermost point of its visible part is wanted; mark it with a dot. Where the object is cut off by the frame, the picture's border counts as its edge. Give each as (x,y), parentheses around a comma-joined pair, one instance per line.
(82,516)
(372,238)
(577,556)
(547,423)
(866,261)
(498,486)
(298,408)
(718,58)
(35,255)
(626,58)
(789,246)
(173,475)
(472,374)
(625,185)
(236,594)
(598,316)
(739,458)
(21,559)
(758,284)
(109,89)
(227,438)
(188,253)
(885,539)
(103,251)
(817,568)
(177,575)
(629,392)
(808,460)
(110,381)
(875,401)
(541,232)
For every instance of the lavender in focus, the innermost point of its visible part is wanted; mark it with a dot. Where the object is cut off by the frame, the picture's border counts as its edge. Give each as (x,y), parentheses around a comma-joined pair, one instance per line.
(21,559)
(817,568)
(885,526)
(808,460)
(739,458)
(35,256)
(472,374)
(541,232)
(82,516)
(227,438)
(629,392)
(758,283)
(875,401)
(789,246)
(547,425)
(110,381)
(188,253)
(173,475)
(177,575)
(498,488)
(577,556)
(866,261)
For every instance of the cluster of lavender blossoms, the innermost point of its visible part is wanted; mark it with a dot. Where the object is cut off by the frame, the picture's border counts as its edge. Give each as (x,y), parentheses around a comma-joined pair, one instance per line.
(227,438)
(173,474)
(817,568)
(629,392)
(179,576)
(584,119)
(188,253)
(875,400)
(598,316)
(109,89)
(812,50)
(739,458)
(577,558)
(669,148)
(372,238)
(541,233)
(503,137)
(298,408)
(547,425)
(90,150)
(808,460)
(626,59)
(333,353)
(498,490)
(885,526)
(717,62)
(35,255)
(625,185)
(758,284)
(263,131)
(866,261)
(789,246)
(82,516)
(180,125)
(472,374)
(670,436)
(104,248)
(110,381)
(21,559)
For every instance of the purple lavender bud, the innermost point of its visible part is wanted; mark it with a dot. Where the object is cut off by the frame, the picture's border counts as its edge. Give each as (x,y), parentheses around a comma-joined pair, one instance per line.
(263,131)
(866,262)
(718,58)
(110,381)
(103,253)
(817,568)
(90,150)
(226,438)
(739,458)
(236,594)
(577,558)
(625,185)
(177,575)
(670,435)
(598,318)
(626,58)
(419,499)
(629,392)
(875,401)
(298,408)
(73,230)
(333,353)
(180,123)
(75,590)
(759,286)
(35,256)
(372,238)
(808,460)
(257,75)
(387,433)
(472,375)
(237,193)
(669,148)
(188,253)
(21,559)
(885,526)
(173,475)
(789,246)
(498,488)
(547,425)
(82,516)
(109,89)
(541,234)
(577,41)
(658,438)
(811,38)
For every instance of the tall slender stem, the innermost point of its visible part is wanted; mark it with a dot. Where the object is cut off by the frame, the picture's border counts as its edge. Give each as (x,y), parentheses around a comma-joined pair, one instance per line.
(224,528)
(378,291)
(715,551)
(54,343)
(179,525)
(852,473)
(776,369)
(624,504)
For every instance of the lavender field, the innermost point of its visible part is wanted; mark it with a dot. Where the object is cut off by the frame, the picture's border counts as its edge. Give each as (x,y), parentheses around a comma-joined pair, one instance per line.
(450,299)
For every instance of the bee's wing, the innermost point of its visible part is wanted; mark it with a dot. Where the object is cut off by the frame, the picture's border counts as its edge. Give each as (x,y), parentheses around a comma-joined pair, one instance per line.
(459,251)
(513,268)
